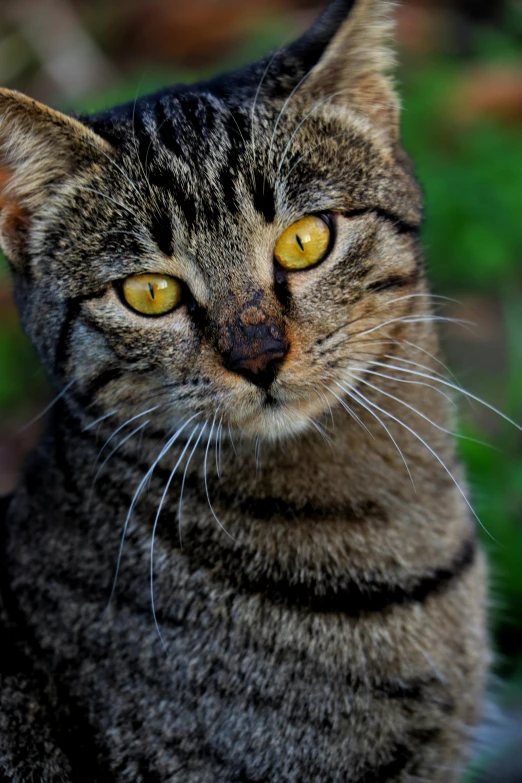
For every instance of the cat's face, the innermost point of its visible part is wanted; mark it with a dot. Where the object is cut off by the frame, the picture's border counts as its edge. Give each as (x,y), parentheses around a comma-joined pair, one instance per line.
(226,250)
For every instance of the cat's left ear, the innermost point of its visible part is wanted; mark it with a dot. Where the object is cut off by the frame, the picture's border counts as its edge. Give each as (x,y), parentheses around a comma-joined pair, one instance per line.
(349,55)
(40,148)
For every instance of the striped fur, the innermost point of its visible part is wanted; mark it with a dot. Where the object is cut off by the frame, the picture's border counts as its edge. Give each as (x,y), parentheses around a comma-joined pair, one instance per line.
(285,607)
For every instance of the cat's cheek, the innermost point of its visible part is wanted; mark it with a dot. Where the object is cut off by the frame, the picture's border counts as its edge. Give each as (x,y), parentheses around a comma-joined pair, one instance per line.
(168,341)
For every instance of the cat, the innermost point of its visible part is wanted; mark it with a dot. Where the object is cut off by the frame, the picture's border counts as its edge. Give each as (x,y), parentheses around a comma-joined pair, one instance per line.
(243,550)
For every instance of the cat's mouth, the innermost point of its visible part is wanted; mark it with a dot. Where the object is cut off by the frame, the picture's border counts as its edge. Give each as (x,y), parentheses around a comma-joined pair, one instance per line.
(270,401)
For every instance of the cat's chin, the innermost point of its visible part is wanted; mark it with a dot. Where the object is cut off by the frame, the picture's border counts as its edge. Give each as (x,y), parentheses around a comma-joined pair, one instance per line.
(274,420)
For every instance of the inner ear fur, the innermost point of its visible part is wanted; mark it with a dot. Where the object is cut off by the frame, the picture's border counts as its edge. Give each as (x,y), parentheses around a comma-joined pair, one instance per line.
(39,148)
(354,67)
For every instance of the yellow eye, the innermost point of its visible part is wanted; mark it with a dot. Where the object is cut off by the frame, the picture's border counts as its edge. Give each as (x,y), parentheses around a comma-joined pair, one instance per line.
(152,294)
(304,244)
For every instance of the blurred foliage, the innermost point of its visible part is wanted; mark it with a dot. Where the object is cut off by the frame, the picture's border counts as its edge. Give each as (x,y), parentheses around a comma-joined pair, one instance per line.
(473,182)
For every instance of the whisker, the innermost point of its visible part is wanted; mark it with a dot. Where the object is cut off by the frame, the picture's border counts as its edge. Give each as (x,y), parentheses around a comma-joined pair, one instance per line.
(48,407)
(257,448)
(431,356)
(421,366)
(366,370)
(351,412)
(220,425)
(321,432)
(414,319)
(437,457)
(456,388)
(99,421)
(185,476)
(111,454)
(381,307)
(419,413)
(231,438)
(322,396)
(206,479)
(154,529)
(147,477)
(362,402)
(121,427)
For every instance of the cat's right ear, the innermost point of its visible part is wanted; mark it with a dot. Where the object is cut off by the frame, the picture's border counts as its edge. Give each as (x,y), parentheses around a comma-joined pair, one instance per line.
(346,58)
(40,149)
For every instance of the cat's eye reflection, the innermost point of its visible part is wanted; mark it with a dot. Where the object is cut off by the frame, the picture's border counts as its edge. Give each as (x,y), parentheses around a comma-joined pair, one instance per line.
(304,244)
(152,295)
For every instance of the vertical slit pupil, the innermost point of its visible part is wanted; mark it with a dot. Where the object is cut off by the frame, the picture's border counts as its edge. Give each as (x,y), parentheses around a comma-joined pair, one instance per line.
(151,291)
(298,240)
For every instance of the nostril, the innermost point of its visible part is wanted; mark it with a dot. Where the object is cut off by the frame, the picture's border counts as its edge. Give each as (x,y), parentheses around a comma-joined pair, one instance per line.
(259,366)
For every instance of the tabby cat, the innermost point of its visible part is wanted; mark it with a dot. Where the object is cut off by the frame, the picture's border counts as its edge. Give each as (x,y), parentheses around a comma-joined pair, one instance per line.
(243,551)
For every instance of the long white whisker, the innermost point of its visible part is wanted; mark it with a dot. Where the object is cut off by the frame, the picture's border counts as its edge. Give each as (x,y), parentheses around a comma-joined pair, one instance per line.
(415,410)
(402,380)
(147,477)
(206,479)
(111,454)
(415,319)
(431,356)
(220,448)
(351,412)
(362,402)
(322,396)
(185,477)
(121,427)
(99,421)
(434,453)
(48,407)
(321,432)
(154,529)
(414,364)
(257,451)
(457,388)
(219,428)
(384,306)
(231,438)
(367,356)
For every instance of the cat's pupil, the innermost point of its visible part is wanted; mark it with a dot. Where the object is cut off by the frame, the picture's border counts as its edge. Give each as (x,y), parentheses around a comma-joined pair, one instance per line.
(298,240)
(151,291)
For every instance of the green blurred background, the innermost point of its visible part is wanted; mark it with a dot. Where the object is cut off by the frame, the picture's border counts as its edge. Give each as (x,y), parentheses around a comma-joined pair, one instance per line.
(461,81)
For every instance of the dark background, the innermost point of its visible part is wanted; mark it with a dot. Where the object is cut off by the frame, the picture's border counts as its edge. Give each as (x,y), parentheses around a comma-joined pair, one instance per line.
(461,80)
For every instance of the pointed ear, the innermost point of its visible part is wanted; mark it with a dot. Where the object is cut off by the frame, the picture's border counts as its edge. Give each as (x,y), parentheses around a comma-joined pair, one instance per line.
(39,148)
(352,45)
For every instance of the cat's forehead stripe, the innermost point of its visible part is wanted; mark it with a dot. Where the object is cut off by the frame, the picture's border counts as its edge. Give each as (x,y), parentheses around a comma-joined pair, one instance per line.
(178,125)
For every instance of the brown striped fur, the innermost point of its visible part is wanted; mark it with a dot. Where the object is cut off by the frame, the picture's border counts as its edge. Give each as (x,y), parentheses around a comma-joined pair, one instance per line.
(320,613)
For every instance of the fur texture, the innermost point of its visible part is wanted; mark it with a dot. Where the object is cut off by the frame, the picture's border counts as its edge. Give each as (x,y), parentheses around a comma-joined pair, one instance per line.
(197,585)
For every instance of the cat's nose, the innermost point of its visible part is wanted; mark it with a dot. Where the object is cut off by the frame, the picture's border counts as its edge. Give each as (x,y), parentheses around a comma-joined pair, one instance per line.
(257,353)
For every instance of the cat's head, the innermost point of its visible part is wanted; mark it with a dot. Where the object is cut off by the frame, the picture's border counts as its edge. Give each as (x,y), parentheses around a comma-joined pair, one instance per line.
(229,248)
